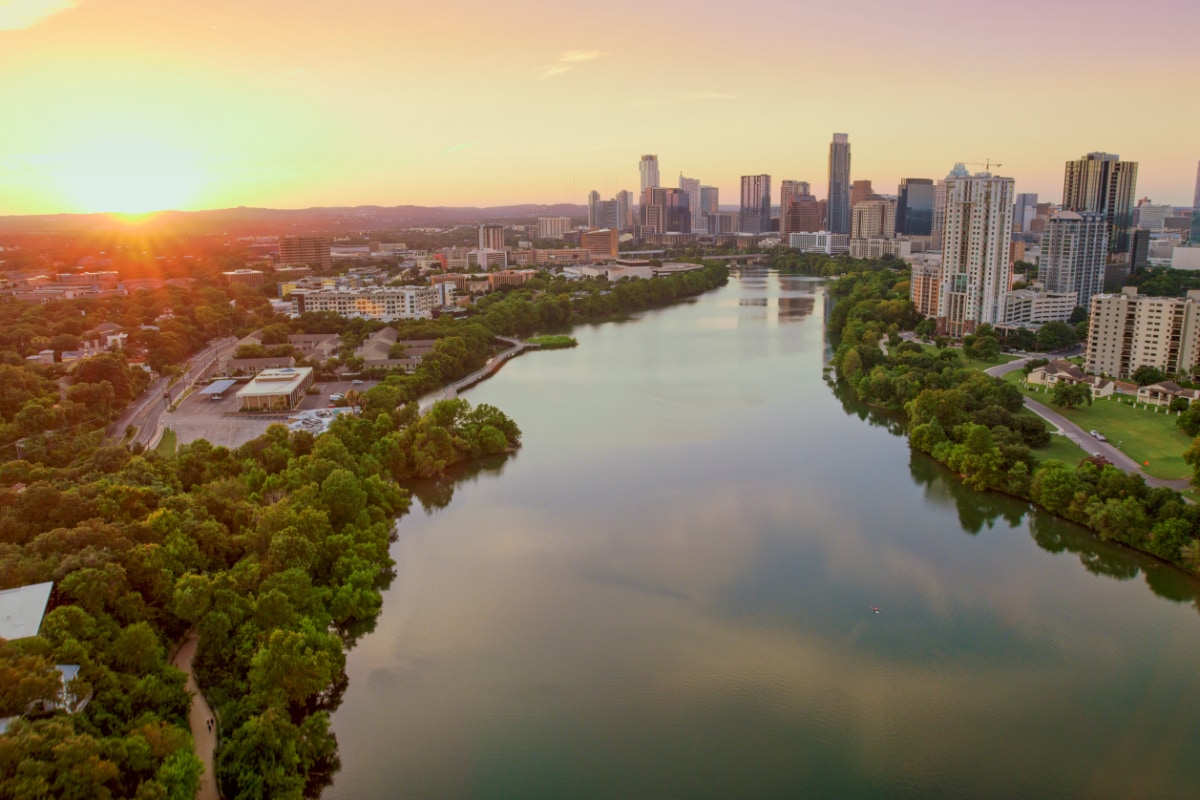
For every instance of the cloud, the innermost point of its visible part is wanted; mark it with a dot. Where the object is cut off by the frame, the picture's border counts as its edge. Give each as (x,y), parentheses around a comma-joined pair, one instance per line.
(569,60)
(710,96)
(17,15)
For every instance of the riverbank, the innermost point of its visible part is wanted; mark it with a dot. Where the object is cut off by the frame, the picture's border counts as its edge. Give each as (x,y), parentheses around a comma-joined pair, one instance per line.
(969,422)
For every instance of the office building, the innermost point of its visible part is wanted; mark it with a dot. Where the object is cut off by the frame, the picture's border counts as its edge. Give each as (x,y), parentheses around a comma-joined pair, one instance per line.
(1103,183)
(839,184)
(820,242)
(787,191)
(624,200)
(665,211)
(553,227)
(491,237)
(311,250)
(721,222)
(975,239)
(1128,331)
(925,286)
(859,191)
(1074,252)
(1153,217)
(939,203)
(801,214)
(709,205)
(914,207)
(879,247)
(649,171)
(756,204)
(1194,229)
(601,244)
(615,213)
(593,208)
(873,219)
(1024,210)
(1196,196)
(691,187)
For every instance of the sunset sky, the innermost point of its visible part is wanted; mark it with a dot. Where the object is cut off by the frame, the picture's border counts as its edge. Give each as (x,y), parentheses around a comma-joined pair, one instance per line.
(134,105)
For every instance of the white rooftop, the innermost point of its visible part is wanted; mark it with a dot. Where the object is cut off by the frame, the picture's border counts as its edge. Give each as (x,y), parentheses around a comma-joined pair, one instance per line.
(22,609)
(272,382)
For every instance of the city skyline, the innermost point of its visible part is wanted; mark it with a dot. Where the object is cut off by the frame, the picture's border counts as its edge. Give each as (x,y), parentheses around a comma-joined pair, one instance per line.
(127,106)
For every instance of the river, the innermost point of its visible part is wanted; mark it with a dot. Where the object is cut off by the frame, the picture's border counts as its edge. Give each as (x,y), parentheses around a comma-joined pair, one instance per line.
(668,591)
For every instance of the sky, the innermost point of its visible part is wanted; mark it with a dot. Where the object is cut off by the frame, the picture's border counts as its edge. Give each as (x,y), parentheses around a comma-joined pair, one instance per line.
(138,105)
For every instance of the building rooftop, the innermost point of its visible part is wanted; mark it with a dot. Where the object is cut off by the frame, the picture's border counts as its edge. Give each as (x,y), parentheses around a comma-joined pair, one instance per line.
(22,609)
(275,381)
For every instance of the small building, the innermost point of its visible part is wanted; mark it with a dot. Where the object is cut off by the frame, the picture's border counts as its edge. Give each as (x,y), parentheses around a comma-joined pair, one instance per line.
(1062,371)
(275,389)
(1164,392)
(22,609)
(247,277)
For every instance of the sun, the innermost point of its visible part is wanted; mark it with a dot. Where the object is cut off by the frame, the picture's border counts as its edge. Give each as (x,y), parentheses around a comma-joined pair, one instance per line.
(127,174)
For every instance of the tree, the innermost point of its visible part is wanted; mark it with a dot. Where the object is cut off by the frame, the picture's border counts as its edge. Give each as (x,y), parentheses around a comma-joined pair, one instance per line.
(1069,395)
(1192,457)
(1146,375)
(1189,420)
(1057,336)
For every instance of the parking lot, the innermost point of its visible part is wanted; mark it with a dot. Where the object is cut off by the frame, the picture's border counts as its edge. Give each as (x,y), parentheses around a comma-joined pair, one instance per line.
(202,417)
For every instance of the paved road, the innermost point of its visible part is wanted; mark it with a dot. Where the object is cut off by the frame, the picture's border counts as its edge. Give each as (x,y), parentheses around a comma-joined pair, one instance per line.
(205,738)
(1084,439)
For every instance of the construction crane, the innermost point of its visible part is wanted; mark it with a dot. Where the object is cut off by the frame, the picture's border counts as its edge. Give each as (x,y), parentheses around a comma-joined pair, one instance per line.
(987,164)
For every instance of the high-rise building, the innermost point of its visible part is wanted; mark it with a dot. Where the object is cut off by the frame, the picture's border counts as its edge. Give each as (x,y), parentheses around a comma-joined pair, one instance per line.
(1127,331)
(691,187)
(1194,229)
(649,169)
(665,211)
(1074,252)
(860,190)
(1196,196)
(601,243)
(491,237)
(709,205)
(1024,210)
(939,203)
(756,203)
(789,191)
(311,250)
(804,215)
(914,207)
(1103,183)
(1153,217)
(873,219)
(616,213)
(975,239)
(924,287)
(624,210)
(839,183)
(593,209)
(553,227)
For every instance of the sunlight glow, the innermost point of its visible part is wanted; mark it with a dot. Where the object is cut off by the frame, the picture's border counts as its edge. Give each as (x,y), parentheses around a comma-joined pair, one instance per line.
(126,174)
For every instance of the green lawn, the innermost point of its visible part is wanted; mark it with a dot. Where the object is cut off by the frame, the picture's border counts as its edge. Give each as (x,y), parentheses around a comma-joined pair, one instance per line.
(971,363)
(166,445)
(1139,433)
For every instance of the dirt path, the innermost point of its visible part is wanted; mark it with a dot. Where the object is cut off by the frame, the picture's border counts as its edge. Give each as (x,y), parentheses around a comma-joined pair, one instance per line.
(198,717)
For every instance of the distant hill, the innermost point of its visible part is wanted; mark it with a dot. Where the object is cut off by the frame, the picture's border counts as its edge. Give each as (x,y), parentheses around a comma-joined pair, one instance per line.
(264,221)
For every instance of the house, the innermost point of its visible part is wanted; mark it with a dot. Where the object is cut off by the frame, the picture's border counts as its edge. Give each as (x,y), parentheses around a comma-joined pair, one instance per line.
(22,609)
(1062,371)
(1163,392)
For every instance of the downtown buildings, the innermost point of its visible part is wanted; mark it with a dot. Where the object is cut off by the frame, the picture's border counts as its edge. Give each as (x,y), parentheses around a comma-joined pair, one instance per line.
(1103,183)
(756,204)
(839,184)
(977,231)
(1074,252)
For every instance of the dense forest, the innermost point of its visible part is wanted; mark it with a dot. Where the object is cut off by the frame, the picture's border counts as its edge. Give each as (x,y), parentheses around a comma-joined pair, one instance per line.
(971,423)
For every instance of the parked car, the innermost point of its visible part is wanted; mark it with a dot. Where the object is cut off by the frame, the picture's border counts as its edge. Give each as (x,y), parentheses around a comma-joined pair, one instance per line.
(356,380)
(337,396)
(1099,436)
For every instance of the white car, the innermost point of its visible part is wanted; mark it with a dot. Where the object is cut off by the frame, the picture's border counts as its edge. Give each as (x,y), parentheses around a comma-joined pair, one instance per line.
(337,396)
(1100,437)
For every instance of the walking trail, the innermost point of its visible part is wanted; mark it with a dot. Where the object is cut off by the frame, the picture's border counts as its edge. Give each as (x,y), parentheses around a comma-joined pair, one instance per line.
(206,740)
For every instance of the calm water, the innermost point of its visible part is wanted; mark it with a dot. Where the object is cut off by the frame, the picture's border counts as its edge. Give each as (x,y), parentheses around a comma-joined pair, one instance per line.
(667,594)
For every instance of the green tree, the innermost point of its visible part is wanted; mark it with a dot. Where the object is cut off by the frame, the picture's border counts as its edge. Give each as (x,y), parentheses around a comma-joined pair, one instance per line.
(1146,375)
(1070,395)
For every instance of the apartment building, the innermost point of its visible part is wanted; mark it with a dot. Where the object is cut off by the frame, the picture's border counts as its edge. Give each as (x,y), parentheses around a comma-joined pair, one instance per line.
(1129,331)
(386,304)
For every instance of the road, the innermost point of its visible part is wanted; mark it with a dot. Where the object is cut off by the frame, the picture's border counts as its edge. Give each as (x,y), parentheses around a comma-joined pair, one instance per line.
(146,412)
(1081,437)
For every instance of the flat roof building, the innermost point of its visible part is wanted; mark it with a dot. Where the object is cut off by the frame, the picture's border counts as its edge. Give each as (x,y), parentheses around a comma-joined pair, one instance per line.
(275,389)
(1128,331)
(22,609)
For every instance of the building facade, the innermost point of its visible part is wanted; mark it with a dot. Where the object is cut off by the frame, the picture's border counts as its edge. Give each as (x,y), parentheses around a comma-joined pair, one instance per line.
(879,247)
(873,219)
(691,187)
(820,242)
(315,251)
(649,172)
(1103,183)
(385,304)
(839,184)
(975,270)
(601,244)
(1024,210)
(914,207)
(1128,331)
(665,211)
(1028,307)
(491,237)
(925,287)
(756,204)
(860,190)
(553,227)
(1074,252)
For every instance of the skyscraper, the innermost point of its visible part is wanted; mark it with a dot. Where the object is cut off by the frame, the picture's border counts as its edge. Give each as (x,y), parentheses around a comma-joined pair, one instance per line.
(756,204)
(939,203)
(691,187)
(665,211)
(594,209)
(860,190)
(914,207)
(839,183)
(975,242)
(1074,251)
(311,250)
(1024,211)
(491,237)
(873,219)
(1103,183)
(1196,197)
(624,210)
(649,168)
(788,191)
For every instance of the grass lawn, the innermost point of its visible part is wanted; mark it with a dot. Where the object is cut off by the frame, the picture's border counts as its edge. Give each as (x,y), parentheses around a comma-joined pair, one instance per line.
(972,363)
(1139,433)
(166,445)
